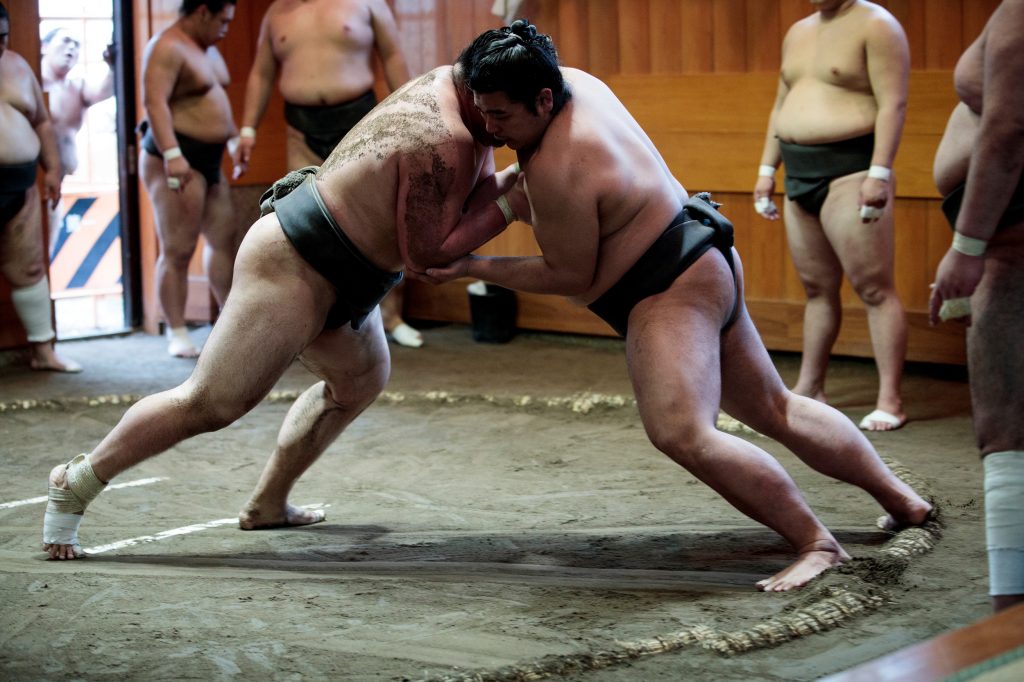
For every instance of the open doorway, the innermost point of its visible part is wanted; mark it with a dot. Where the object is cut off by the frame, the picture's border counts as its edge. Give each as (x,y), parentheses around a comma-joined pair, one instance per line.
(79,67)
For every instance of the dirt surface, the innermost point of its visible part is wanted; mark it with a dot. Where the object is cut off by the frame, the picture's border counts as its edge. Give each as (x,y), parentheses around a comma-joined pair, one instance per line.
(499,510)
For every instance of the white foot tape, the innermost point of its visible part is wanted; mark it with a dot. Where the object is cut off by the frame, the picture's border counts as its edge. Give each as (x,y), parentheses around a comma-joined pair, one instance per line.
(65,507)
(404,335)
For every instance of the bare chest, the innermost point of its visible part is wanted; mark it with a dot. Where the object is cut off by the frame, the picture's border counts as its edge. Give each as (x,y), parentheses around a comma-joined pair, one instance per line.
(315,24)
(828,54)
(16,93)
(201,71)
(968,76)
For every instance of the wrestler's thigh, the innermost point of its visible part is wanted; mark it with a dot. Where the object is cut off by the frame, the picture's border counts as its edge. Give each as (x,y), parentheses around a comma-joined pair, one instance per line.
(277,307)
(178,215)
(218,223)
(865,250)
(355,364)
(812,254)
(752,390)
(672,348)
(21,243)
(299,155)
(995,362)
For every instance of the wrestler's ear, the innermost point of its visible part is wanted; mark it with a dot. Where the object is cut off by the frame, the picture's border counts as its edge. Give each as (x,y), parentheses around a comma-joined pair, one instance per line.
(545,102)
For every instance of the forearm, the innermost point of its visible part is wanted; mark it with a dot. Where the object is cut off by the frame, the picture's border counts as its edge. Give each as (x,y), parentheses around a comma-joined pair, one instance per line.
(994,174)
(771,155)
(161,121)
(888,129)
(530,274)
(492,187)
(49,152)
(474,229)
(257,95)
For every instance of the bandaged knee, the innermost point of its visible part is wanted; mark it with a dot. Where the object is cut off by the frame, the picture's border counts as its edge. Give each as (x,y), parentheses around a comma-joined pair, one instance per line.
(1004,521)
(64,508)
(32,304)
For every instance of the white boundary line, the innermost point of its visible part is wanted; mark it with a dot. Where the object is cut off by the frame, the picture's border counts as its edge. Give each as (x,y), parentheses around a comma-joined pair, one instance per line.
(184,530)
(115,486)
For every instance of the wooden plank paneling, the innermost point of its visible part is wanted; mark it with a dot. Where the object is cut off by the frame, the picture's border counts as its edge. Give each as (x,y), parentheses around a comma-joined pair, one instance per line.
(697,20)
(634,37)
(730,35)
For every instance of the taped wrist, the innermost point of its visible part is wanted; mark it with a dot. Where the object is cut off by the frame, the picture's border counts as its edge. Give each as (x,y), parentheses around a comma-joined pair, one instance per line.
(969,246)
(506,209)
(880,173)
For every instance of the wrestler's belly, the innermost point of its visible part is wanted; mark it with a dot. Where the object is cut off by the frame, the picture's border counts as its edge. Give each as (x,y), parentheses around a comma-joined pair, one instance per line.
(207,118)
(18,140)
(953,156)
(817,113)
(620,250)
(333,81)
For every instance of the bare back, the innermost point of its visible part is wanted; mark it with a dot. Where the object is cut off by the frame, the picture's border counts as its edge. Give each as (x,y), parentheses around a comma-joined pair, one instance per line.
(601,192)
(400,178)
(334,36)
(20,103)
(193,81)
(826,75)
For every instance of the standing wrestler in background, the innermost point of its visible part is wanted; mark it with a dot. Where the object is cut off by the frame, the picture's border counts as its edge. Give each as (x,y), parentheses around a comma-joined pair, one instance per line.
(836,125)
(324,51)
(26,139)
(978,169)
(618,233)
(188,123)
(69,98)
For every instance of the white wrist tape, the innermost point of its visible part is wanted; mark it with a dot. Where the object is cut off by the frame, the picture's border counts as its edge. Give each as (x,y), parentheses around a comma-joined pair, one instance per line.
(247,131)
(880,173)
(173,183)
(32,303)
(766,171)
(506,209)
(1004,521)
(172,153)
(969,246)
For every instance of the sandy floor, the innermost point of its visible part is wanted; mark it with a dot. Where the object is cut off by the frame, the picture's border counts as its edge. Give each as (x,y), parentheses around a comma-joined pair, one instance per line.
(499,510)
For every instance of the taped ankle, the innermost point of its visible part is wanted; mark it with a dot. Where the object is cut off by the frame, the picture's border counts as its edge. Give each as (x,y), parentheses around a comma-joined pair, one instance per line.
(1004,521)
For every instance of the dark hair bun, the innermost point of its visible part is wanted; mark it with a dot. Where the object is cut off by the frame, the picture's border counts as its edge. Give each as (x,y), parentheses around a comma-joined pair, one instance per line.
(524,29)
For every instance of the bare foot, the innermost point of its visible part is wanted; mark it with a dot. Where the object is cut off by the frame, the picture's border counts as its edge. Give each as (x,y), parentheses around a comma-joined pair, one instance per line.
(45,359)
(810,565)
(915,513)
(58,479)
(254,519)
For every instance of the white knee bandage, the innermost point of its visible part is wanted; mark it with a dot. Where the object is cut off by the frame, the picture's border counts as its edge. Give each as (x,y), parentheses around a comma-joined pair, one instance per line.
(32,304)
(1004,521)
